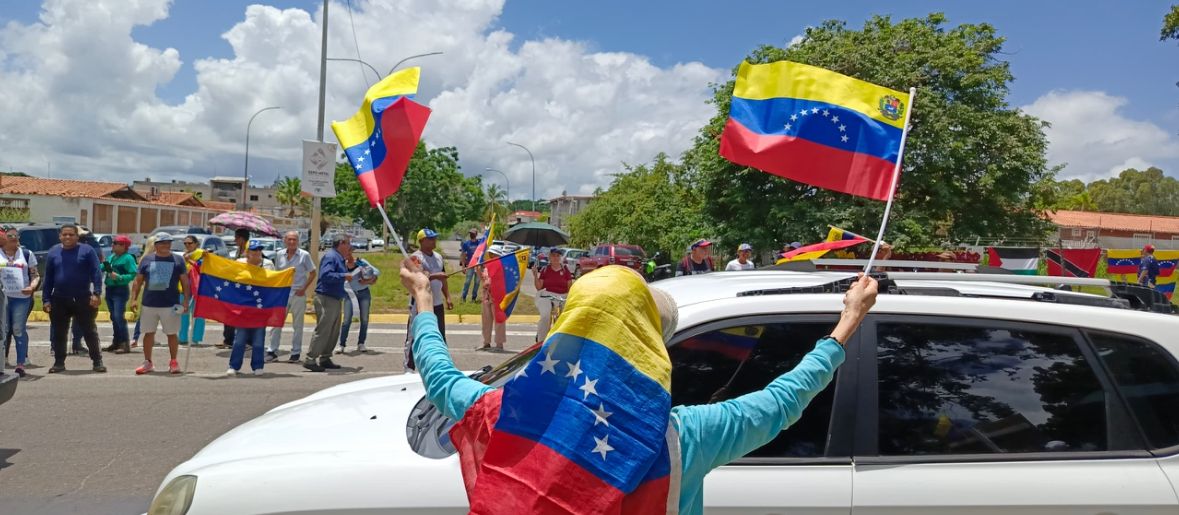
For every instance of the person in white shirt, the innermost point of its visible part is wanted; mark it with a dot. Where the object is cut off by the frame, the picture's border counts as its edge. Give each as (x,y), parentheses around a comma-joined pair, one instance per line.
(19,267)
(300,260)
(742,262)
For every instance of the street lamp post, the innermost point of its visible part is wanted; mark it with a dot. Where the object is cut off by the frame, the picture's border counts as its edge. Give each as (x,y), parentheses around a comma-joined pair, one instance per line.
(533,159)
(246,172)
(391,70)
(507,184)
(374,70)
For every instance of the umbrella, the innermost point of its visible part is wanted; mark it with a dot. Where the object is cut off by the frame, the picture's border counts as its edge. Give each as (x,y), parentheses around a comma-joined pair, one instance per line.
(243,220)
(537,234)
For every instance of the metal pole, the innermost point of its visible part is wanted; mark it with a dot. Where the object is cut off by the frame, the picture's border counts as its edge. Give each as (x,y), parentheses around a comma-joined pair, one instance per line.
(246,172)
(533,159)
(313,245)
(896,177)
(507,184)
(375,72)
(408,58)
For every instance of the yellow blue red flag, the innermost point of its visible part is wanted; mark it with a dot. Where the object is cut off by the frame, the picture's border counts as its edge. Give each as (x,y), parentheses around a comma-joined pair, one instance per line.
(507,276)
(242,295)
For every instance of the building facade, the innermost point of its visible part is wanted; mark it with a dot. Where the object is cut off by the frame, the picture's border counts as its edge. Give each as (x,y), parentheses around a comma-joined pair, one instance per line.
(1080,229)
(218,189)
(565,206)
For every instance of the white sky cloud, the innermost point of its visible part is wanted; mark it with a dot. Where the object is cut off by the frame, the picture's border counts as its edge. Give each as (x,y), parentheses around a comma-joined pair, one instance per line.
(1097,141)
(83,92)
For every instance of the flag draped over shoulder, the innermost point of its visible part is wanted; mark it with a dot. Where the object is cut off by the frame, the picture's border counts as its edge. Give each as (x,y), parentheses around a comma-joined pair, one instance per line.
(583,427)
(1072,262)
(816,251)
(815,126)
(506,276)
(242,295)
(381,137)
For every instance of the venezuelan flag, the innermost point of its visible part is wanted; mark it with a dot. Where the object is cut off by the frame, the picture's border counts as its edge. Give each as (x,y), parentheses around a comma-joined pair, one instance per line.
(242,295)
(837,234)
(815,126)
(816,251)
(480,254)
(735,343)
(507,276)
(380,138)
(1122,261)
(583,427)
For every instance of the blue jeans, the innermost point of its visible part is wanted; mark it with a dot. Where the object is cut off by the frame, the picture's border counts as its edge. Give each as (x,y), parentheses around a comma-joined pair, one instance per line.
(471,279)
(255,338)
(136,335)
(198,324)
(116,303)
(365,299)
(17,315)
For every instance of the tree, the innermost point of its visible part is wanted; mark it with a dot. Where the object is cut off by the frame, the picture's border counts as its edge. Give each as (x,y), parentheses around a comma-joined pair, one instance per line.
(1170,25)
(290,194)
(650,206)
(496,203)
(1141,192)
(973,167)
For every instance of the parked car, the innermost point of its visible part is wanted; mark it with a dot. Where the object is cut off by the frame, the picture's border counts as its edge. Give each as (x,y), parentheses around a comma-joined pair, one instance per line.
(376,243)
(107,242)
(212,244)
(956,397)
(571,257)
(179,229)
(360,243)
(630,256)
(39,238)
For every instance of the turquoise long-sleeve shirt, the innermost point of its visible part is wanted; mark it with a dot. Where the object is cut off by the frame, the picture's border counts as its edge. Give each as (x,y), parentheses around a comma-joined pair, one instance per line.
(710,435)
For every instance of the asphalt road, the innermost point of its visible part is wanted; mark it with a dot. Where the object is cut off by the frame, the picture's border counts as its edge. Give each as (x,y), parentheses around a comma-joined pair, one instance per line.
(81,442)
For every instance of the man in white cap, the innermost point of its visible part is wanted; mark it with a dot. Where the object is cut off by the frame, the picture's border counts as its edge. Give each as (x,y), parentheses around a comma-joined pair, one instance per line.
(434,266)
(163,273)
(744,251)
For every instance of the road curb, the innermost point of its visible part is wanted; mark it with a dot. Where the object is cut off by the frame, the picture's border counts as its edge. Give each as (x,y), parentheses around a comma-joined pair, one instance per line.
(379,318)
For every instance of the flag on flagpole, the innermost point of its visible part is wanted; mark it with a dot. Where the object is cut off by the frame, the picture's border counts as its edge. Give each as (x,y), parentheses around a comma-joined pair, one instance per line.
(380,139)
(506,276)
(837,234)
(1021,260)
(1072,262)
(480,254)
(816,251)
(242,295)
(816,126)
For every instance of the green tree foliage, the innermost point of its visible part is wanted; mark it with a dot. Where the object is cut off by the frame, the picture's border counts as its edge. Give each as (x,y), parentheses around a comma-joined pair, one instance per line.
(290,194)
(433,194)
(1170,25)
(973,166)
(495,203)
(650,206)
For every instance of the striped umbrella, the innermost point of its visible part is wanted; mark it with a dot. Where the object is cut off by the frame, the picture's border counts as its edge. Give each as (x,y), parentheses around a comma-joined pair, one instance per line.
(243,220)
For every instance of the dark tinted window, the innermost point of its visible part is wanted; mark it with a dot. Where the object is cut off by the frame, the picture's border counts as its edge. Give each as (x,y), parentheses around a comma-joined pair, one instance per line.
(959,389)
(720,365)
(627,251)
(39,240)
(1148,380)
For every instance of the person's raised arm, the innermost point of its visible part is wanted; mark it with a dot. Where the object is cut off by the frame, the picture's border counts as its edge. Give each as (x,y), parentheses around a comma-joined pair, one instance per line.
(720,433)
(446,387)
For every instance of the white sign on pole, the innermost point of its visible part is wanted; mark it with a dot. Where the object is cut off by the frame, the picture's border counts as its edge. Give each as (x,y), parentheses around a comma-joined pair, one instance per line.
(319,168)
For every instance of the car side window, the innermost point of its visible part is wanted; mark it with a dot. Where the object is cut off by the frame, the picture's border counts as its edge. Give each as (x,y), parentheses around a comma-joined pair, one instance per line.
(1149,381)
(724,364)
(949,388)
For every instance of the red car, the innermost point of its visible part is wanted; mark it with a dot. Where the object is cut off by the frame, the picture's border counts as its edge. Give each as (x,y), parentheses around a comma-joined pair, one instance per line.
(611,254)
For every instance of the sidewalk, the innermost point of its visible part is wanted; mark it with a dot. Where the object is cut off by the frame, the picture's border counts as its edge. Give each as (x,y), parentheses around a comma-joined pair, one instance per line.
(375,318)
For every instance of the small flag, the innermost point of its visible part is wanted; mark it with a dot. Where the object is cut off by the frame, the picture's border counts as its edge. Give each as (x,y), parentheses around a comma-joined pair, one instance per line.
(816,251)
(1020,260)
(506,276)
(1072,262)
(837,234)
(1122,262)
(480,253)
(242,295)
(815,126)
(736,343)
(381,137)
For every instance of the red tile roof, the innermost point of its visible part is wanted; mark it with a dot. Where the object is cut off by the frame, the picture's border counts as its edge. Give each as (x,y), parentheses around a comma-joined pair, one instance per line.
(1115,221)
(66,188)
(220,206)
(530,214)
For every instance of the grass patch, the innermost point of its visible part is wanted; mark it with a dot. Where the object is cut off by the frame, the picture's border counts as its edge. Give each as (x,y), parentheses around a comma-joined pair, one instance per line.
(390,297)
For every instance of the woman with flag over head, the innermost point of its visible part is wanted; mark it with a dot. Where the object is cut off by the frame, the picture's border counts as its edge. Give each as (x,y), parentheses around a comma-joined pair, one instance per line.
(587,425)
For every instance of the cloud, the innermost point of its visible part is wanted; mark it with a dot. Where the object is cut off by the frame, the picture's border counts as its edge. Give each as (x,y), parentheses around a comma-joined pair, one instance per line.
(1095,140)
(84,92)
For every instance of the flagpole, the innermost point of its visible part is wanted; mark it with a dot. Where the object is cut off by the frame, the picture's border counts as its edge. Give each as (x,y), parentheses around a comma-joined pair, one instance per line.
(892,190)
(461,270)
(396,238)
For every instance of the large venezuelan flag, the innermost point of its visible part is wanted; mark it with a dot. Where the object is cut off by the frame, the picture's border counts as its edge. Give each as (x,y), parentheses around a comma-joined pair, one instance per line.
(381,137)
(1122,261)
(582,428)
(242,295)
(507,276)
(815,126)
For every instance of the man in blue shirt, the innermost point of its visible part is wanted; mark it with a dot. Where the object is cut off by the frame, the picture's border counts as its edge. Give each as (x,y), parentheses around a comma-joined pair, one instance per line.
(70,292)
(161,274)
(467,251)
(1148,267)
(329,305)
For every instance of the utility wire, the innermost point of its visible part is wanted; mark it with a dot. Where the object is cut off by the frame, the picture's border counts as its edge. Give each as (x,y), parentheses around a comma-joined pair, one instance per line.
(356,43)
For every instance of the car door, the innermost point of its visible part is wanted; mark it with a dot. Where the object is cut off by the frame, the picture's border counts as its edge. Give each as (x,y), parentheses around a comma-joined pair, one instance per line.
(807,469)
(971,416)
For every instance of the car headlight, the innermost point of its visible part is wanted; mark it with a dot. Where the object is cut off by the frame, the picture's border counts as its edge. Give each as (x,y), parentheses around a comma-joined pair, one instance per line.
(174,499)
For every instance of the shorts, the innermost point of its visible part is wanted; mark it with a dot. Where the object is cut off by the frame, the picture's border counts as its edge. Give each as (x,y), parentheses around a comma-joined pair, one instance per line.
(149,317)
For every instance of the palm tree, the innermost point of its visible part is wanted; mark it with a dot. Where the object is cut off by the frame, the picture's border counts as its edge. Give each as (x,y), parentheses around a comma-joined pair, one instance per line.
(290,194)
(496,203)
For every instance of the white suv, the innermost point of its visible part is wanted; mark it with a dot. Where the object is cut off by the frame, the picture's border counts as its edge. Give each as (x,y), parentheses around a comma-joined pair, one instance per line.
(961,394)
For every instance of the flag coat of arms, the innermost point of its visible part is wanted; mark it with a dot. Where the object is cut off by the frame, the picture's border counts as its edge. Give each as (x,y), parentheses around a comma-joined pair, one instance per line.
(815,126)
(1020,260)
(241,295)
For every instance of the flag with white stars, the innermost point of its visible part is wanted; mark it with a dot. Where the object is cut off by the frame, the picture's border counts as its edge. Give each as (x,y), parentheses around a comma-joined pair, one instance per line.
(242,295)
(584,425)
(507,278)
(380,139)
(816,126)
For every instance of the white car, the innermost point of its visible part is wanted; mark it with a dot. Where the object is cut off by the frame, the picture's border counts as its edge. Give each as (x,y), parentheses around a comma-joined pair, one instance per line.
(376,243)
(961,394)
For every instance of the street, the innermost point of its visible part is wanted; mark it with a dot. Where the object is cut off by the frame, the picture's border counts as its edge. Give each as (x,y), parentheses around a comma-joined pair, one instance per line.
(81,442)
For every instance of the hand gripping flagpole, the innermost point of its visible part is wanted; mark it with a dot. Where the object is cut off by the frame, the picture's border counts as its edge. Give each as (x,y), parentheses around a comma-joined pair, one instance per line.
(892,190)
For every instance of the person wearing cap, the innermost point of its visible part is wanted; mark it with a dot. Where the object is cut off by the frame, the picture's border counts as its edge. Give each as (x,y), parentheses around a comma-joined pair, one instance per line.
(254,337)
(160,278)
(300,260)
(435,267)
(698,260)
(19,267)
(329,305)
(467,251)
(552,283)
(120,269)
(1148,267)
(71,290)
(744,251)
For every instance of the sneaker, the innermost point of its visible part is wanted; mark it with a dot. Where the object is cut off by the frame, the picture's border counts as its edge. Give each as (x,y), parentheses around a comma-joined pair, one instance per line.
(173,367)
(196,344)
(20,371)
(327,363)
(271,357)
(231,372)
(258,372)
(111,347)
(293,359)
(340,350)
(145,368)
(123,348)
(57,368)
(312,366)
(99,367)
(360,347)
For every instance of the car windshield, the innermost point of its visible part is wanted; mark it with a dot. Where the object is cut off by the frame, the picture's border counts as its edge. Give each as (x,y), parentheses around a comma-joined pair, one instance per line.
(627,251)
